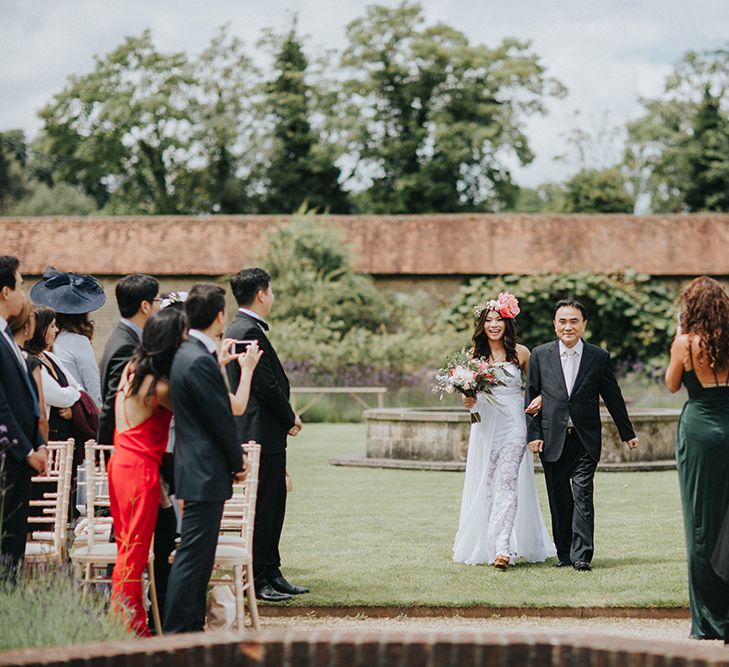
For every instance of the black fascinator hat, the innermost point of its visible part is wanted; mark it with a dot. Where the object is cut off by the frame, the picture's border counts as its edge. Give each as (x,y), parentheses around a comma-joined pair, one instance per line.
(68,293)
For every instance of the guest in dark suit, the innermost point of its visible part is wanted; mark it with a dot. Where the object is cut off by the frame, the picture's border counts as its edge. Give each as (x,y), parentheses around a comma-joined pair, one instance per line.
(268,420)
(571,376)
(22,452)
(208,455)
(137,299)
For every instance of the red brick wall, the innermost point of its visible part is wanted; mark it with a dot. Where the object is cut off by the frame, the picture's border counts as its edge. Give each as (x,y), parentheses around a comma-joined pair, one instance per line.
(424,245)
(333,649)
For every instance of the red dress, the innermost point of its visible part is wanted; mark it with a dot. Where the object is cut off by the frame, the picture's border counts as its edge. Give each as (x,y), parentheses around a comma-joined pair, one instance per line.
(134,492)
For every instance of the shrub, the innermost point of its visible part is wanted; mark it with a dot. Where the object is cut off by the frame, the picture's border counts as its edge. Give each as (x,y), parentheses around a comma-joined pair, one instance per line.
(47,610)
(332,326)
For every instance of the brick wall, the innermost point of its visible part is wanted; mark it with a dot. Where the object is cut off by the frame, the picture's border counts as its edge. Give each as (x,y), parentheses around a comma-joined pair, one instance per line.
(412,245)
(349,649)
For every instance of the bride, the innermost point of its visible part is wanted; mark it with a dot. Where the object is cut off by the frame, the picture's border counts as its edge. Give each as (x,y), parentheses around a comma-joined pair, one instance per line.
(500,516)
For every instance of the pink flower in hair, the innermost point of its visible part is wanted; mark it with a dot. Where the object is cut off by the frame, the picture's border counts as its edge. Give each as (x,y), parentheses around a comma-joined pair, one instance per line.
(508,305)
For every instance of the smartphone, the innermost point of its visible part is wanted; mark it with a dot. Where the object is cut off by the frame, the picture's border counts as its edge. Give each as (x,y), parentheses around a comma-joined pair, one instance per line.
(240,346)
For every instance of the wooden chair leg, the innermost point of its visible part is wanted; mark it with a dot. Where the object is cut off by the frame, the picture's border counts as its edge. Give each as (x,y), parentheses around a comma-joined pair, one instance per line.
(86,582)
(240,614)
(251,595)
(153,598)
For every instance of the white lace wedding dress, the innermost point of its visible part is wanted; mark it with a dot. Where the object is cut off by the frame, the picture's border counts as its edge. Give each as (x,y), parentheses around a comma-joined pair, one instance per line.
(500,512)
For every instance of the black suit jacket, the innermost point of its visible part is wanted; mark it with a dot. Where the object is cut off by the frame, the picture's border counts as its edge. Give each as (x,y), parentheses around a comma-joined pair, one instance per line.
(595,378)
(19,409)
(118,351)
(269,416)
(207,446)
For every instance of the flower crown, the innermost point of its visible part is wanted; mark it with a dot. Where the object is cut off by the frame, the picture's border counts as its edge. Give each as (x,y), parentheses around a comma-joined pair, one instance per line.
(507,305)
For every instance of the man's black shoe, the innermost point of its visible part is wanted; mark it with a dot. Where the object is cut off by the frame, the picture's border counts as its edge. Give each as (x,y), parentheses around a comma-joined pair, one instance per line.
(582,566)
(562,563)
(270,594)
(282,586)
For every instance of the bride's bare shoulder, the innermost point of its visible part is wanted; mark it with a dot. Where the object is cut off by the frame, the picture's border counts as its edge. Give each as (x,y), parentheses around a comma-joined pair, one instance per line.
(522,352)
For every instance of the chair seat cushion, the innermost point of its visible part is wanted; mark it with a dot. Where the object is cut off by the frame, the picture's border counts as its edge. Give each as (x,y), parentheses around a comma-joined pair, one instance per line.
(101,552)
(231,554)
(38,549)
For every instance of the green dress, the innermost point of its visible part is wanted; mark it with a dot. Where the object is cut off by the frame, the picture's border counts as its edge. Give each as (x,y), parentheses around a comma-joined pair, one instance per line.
(702,457)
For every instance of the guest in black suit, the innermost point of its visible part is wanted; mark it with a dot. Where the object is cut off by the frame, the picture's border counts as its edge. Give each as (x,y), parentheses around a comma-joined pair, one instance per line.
(571,376)
(208,455)
(268,420)
(137,299)
(22,448)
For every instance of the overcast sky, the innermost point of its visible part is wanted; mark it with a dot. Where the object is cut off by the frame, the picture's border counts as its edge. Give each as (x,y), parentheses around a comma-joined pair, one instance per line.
(608,54)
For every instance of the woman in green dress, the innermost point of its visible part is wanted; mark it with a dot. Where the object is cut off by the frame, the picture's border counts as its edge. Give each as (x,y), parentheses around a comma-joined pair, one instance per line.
(700,362)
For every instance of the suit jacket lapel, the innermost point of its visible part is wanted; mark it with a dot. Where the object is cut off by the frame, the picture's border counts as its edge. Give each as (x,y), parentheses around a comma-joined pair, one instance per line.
(23,372)
(585,361)
(556,363)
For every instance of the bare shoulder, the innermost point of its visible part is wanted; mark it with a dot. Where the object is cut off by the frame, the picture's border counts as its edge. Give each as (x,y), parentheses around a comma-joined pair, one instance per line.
(681,342)
(523,352)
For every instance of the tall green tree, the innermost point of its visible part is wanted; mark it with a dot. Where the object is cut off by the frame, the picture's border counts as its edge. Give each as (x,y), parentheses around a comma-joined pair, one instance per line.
(13,177)
(598,191)
(301,170)
(429,117)
(707,188)
(121,131)
(675,138)
(225,113)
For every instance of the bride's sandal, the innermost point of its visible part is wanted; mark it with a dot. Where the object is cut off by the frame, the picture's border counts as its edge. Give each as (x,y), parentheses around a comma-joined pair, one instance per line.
(501,562)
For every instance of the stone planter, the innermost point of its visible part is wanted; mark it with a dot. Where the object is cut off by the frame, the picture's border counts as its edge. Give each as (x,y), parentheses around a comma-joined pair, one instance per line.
(437,434)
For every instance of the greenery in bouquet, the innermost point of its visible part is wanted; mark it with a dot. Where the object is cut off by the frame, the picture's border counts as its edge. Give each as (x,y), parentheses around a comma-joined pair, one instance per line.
(470,376)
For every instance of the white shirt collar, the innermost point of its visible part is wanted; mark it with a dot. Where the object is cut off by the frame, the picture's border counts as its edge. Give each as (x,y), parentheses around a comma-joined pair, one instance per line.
(208,342)
(577,349)
(252,314)
(3,323)
(134,327)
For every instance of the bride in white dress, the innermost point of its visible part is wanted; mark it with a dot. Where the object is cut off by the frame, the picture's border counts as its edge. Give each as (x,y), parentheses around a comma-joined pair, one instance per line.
(500,516)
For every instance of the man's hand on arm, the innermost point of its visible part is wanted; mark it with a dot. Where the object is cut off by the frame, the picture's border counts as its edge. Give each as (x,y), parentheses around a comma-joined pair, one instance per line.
(242,475)
(536,446)
(296,428)
(38,460)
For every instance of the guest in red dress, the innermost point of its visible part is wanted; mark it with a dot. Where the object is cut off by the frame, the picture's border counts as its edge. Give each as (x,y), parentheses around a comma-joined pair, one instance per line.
(143,415)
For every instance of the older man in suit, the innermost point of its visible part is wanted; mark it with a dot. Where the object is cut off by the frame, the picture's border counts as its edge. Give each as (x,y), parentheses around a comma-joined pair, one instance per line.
(21,450)
(208,455)
(571,376)
(268,419)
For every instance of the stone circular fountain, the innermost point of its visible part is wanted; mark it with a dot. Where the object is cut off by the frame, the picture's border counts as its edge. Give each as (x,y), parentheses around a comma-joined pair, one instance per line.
(438,438)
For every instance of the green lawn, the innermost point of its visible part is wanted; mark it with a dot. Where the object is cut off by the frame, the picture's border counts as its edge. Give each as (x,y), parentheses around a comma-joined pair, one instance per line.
(359,536)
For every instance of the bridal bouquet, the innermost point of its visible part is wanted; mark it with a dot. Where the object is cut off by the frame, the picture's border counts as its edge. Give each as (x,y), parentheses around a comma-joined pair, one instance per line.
(469,376)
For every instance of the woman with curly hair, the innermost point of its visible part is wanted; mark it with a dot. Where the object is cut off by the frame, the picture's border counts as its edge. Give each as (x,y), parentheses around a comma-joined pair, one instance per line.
(700,362)
(500,518)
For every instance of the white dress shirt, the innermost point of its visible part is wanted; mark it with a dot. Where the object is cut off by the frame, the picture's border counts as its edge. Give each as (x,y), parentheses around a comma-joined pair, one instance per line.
(570,358)
(75,352)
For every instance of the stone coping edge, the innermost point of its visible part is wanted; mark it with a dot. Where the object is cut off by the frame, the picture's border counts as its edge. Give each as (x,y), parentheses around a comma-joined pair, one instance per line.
(455,415)
(361,461)
(291,611)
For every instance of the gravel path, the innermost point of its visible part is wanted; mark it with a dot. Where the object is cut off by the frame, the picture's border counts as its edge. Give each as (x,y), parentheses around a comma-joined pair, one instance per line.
(640,628)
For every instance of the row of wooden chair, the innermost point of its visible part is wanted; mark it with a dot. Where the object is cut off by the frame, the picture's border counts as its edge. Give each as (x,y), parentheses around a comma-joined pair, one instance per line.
(92,552)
